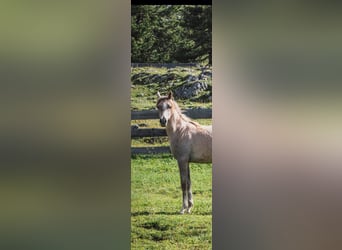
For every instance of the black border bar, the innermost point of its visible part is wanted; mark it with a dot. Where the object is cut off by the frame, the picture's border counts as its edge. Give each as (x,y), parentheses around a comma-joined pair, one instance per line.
(171,2)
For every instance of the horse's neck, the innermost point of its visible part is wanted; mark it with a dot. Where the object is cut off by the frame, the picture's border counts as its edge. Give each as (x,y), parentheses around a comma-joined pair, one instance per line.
(177,123)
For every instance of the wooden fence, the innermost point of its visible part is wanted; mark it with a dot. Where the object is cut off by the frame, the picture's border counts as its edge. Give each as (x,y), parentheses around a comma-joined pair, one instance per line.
(137,132)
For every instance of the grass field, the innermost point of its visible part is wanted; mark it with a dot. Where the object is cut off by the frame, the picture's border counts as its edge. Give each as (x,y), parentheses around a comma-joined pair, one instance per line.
(156,196)
(156,201)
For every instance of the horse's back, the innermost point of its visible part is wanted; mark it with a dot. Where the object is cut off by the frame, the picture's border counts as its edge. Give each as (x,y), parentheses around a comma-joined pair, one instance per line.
(208,128)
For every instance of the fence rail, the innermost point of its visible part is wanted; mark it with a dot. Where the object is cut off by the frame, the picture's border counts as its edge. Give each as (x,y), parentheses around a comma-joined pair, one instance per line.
(136,132)
(147,132)
(195,113)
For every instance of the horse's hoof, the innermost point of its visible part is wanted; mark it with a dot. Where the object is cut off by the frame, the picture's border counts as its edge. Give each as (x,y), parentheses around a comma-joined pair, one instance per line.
(185,210)
(191,205)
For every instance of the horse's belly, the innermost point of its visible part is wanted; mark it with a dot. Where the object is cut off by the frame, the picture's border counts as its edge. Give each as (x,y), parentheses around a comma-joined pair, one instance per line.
(201,154)
(195,147)
(204,158)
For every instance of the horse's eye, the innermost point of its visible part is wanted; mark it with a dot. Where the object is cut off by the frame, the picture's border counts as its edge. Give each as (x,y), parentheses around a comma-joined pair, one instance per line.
(168,106)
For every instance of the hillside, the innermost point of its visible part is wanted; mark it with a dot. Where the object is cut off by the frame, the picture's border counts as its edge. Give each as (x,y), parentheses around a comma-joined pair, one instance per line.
(191,86)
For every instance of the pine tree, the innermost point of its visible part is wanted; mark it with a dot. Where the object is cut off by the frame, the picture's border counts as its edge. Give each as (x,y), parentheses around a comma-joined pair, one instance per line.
(171,33)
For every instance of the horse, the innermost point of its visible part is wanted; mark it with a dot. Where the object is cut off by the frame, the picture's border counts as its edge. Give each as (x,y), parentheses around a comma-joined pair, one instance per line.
(189,142)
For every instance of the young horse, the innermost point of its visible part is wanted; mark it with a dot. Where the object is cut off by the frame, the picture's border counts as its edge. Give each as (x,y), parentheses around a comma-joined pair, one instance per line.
(189,142)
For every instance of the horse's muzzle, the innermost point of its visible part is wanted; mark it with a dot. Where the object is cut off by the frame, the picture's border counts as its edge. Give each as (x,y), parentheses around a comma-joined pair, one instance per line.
(162,122)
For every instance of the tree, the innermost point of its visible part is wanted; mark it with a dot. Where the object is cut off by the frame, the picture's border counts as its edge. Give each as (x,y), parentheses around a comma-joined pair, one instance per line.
(171,33)
(196,44)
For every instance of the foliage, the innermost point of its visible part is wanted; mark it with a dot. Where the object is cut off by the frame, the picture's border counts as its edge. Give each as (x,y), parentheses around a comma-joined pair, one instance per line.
(156,200)
(171,33)
(196,40)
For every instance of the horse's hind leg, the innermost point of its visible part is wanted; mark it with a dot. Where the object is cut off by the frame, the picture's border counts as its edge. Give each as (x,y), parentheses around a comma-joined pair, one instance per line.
(184,176)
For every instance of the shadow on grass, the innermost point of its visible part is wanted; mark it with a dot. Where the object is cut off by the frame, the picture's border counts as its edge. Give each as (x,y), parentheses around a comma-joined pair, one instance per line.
(157,213)
(166,213)
(151,156)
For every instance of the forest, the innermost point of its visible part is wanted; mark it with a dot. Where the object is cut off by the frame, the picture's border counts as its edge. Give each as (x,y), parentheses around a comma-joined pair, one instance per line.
(171,34)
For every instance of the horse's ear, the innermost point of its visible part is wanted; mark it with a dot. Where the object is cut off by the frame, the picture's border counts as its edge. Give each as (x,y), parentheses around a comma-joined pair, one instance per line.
(170,96)
(158,94)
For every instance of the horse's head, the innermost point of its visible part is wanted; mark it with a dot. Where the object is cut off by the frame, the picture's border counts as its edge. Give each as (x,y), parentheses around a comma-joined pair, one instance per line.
(164,106)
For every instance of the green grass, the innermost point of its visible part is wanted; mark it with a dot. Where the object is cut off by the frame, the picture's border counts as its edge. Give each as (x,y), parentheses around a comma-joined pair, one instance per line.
(144,96)
(156,196)
(156,201)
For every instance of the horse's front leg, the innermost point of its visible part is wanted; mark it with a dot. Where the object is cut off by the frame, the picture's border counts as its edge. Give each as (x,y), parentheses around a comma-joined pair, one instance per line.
(190,199)
(186,186)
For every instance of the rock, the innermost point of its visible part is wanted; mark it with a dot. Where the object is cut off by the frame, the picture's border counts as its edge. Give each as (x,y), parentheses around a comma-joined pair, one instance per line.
(203,98)
(191,78)
(155,78)
(203,77)
(207,73)
(140,78)
(190,90)
(134,127)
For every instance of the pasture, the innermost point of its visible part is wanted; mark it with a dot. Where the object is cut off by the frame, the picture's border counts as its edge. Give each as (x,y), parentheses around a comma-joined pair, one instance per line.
(156,194)
(155,203)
